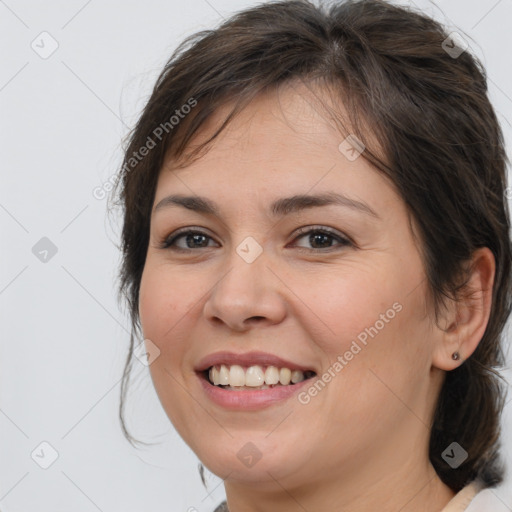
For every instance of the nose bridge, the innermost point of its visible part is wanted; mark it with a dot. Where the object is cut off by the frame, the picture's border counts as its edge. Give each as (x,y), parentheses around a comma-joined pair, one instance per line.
(246,278)
(247,289)
(248,264)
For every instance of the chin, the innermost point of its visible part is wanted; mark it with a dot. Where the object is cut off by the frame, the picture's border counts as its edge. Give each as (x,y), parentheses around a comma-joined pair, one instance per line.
(256,460)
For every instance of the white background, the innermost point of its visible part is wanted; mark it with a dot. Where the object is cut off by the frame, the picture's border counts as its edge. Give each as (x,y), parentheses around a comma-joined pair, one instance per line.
(63,336)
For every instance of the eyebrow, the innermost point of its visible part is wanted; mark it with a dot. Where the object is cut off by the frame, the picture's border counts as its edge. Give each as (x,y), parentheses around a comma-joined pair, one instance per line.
(279,208)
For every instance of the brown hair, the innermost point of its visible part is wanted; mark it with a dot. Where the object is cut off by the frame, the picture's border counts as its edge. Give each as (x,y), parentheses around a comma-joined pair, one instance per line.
(442,145)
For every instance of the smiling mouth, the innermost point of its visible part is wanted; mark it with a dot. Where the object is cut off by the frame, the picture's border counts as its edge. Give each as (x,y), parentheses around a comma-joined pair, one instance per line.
(256,377)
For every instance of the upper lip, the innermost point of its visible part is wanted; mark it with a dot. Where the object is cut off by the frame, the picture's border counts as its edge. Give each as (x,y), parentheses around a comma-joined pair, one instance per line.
(248,359)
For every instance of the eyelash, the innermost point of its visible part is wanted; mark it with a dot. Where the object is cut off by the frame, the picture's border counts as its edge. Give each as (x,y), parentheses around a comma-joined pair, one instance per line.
(168,242)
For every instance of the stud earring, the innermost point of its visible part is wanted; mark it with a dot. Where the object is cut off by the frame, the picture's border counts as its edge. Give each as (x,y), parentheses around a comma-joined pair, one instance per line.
(455,356)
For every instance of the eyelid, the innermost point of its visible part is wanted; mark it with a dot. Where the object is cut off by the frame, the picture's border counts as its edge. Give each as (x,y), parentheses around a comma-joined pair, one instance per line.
(343,240)
(326,229)
(166,242)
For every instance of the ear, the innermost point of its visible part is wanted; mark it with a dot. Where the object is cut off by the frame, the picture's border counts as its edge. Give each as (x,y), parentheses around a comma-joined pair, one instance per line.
(467,318)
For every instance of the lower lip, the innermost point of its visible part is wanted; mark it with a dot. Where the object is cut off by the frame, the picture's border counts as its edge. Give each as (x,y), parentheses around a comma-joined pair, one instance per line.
(249,400)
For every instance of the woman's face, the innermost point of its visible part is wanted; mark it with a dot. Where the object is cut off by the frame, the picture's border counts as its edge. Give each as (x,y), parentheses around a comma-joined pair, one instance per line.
(250,294)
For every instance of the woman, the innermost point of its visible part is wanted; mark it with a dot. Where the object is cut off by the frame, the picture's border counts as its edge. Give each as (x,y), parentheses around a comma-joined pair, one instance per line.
(316,251)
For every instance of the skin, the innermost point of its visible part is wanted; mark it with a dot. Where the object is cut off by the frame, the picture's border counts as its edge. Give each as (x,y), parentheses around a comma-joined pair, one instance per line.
(362,442)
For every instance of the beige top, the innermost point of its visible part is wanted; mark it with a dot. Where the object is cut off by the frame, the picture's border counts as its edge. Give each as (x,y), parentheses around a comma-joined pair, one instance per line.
(462,499)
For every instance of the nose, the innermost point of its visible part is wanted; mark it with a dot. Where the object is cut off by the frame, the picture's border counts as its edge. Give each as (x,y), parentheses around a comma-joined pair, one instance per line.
(248,294)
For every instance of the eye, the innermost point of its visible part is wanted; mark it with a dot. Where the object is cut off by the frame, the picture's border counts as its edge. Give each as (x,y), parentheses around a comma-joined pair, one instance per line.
(321,238)
(193,239)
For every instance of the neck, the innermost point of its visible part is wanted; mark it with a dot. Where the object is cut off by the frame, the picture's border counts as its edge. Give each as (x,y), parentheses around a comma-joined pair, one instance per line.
(411,489)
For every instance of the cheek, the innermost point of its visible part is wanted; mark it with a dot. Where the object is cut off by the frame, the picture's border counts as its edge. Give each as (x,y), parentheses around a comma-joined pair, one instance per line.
(163,301)
(382,375)
(370,320)
(164,317)
(355,303)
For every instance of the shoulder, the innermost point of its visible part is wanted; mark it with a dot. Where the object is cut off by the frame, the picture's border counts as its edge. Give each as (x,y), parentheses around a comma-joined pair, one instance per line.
(463,498)
(490,499)
(475,497)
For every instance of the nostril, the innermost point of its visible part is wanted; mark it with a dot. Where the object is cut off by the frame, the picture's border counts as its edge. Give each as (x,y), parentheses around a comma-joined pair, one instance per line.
(255,318)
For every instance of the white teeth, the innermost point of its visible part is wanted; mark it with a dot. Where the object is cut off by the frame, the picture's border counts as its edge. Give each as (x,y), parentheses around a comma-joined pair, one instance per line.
(214,375)
(255,376)
(224,375)
(271,375)
(236,376)
(285,376)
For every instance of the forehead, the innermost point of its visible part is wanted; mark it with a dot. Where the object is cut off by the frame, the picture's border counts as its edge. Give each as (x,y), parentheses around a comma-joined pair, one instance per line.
(295,121)
(284,139)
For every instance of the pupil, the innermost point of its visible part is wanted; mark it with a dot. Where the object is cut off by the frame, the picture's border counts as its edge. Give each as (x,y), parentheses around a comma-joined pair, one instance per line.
(195,239)
(316,236)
